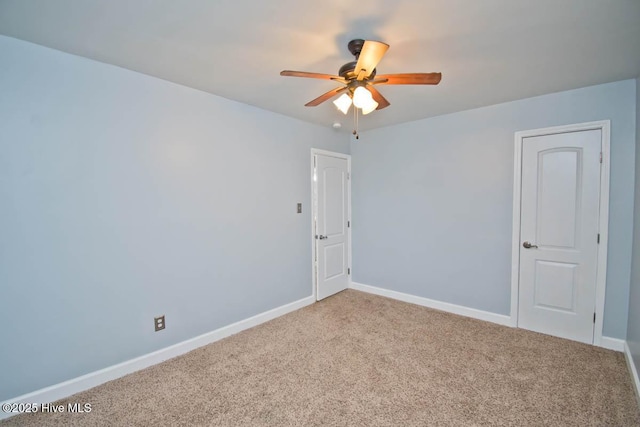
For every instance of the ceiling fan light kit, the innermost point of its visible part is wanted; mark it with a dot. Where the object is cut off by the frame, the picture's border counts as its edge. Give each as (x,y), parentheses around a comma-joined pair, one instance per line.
(362,97)
(359,77)
(343,103)
(369,107)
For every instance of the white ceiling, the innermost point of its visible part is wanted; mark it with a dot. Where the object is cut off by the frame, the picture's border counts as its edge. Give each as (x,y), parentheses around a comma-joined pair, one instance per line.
(488,51)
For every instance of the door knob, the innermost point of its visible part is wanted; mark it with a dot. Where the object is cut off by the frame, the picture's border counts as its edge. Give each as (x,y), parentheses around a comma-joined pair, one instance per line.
(321,237)
(528,245)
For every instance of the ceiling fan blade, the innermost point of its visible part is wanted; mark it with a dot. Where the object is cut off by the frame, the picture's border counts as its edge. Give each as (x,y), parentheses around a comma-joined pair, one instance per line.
(340,80)
(371,53)
(290,73)
(377,96)
(325,96)
(377,81)
(411,79)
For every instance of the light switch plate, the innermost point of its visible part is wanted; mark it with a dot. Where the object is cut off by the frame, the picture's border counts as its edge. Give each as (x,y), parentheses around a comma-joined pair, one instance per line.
(299,207)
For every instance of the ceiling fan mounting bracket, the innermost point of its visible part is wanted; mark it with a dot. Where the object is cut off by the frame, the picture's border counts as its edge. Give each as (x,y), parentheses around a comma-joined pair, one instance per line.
(355,47)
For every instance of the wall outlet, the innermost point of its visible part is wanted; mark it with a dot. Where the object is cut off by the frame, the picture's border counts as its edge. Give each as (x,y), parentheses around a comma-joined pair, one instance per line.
(159,322)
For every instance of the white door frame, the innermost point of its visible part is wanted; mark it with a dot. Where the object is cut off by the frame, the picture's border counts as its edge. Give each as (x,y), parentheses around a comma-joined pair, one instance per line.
(314,211)
(603,222)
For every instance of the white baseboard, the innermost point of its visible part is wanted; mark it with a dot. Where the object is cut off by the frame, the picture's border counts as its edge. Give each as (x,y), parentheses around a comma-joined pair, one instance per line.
(606,342)
(612,343)
(500,319)
(632,370)
(93,379)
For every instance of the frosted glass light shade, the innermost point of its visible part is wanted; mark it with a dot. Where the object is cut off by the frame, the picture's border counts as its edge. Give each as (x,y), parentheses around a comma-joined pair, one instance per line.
(343,103)
(361,97)
(371,106)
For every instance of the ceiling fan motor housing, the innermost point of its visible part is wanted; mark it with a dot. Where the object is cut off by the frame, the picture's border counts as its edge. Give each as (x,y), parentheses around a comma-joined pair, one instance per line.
(346,71)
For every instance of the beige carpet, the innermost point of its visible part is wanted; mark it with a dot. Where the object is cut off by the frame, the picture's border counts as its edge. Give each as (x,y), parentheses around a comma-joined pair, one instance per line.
(361,360)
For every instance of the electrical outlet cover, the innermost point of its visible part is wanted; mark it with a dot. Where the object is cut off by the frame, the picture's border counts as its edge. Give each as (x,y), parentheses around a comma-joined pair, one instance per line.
(159,323)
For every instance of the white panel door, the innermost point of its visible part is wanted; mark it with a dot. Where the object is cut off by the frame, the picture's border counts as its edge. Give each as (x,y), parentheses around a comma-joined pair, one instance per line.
(559,233)
(332,239)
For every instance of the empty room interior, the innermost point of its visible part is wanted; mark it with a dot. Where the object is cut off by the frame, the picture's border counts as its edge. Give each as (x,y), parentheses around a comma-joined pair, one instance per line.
(320,213)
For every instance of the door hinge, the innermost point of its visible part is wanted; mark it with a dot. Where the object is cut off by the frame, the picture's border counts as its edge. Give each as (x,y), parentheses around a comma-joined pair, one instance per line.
(601,157)
(348,224)
(348,271)
(594,318)
(598,238)
(348,175)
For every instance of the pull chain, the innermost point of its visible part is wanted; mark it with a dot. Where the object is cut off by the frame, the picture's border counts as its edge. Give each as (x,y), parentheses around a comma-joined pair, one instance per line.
(355,122)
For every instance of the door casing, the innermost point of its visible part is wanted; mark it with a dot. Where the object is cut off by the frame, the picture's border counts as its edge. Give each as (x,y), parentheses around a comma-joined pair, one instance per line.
(603,220)
(314,211)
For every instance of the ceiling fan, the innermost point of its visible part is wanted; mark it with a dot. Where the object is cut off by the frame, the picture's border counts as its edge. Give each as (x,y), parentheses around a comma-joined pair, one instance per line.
(359,78)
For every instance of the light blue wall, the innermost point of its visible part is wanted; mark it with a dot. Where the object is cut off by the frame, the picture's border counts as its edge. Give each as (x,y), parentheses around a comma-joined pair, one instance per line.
(432,199)
(633,326)
(123,197)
